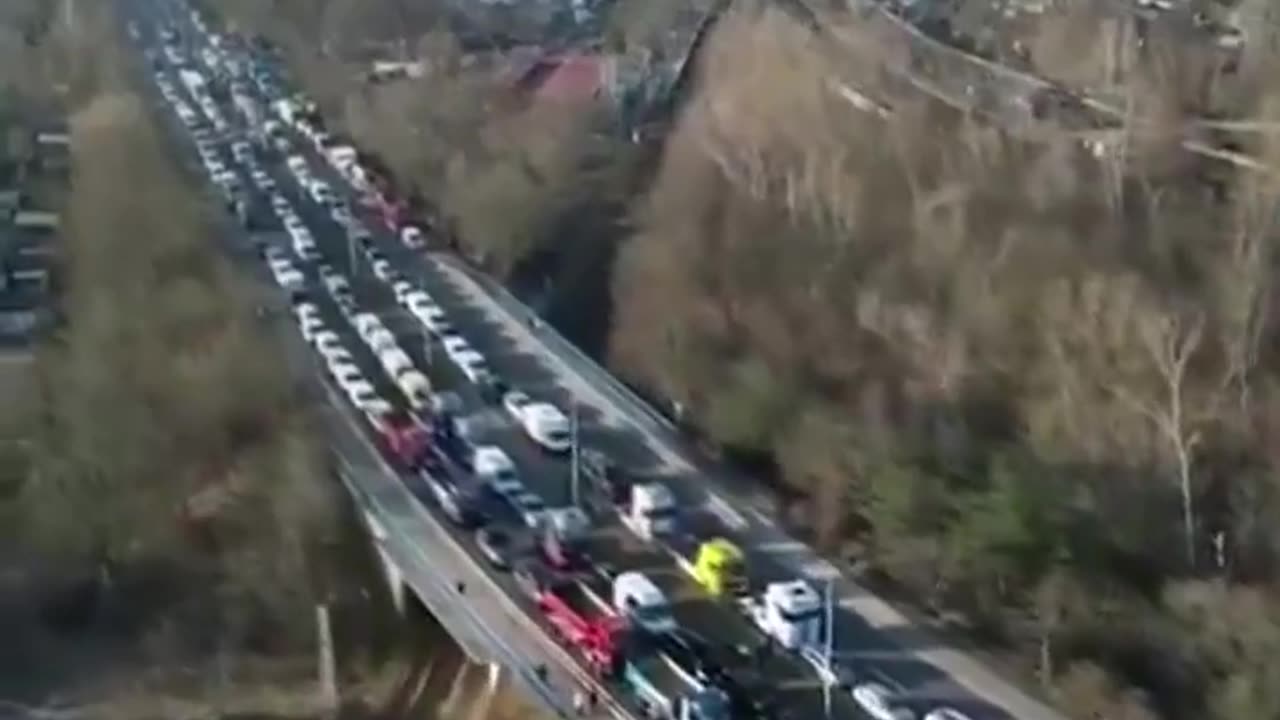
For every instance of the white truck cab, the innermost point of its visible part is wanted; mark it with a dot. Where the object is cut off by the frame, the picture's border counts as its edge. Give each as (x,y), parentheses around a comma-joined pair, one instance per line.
(790,612)
(638,599)
(651,512)
(492,466)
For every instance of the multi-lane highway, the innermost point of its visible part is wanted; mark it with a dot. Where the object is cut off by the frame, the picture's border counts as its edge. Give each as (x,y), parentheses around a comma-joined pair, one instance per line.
(874,642)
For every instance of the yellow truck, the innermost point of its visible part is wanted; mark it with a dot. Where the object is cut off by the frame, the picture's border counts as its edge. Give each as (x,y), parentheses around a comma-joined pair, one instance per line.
(717,565)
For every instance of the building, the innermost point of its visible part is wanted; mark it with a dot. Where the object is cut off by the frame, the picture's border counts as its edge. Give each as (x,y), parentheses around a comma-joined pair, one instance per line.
(566,78)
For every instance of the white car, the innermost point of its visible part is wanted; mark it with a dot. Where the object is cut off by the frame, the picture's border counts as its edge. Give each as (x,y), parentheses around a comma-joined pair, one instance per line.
(310,325)
(327,343)
(945,713)
(515,403)
(412,237)
(286,275)
(306,309)
(401,289)
(547,426)
(433,318)
(320,192)
(365,322)
(380,340)
(492,466)
(281,205)
(264,181)
(340,213)
(531,508)
(364,397)
(345,373)
(335,282)
(455,345)
(474,367)
(383,270)
(877,701)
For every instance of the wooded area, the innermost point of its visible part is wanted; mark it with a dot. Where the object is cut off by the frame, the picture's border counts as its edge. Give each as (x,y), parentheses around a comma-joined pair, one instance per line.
(171,520)
(1021,380)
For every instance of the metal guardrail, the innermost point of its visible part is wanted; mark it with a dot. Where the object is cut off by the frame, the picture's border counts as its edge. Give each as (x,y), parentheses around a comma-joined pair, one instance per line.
(600,377)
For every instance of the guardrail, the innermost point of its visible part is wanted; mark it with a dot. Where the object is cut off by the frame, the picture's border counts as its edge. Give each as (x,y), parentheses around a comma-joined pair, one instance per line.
(571,354)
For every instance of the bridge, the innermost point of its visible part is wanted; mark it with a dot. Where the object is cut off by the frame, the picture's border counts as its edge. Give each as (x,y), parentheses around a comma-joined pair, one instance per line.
(424,559)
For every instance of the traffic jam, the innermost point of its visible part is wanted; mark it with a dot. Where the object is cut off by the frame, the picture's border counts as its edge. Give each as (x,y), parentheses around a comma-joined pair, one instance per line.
(348,252)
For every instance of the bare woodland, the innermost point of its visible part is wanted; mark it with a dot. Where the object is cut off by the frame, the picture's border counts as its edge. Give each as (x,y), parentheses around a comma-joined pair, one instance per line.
(171,520)
(1020,376)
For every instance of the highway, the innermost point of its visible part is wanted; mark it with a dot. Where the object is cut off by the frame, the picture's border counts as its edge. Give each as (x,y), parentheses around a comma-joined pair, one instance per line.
(871,638)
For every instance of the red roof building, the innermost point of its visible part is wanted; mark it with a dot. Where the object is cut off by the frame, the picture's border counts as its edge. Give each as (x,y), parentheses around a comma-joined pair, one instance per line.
(565,78)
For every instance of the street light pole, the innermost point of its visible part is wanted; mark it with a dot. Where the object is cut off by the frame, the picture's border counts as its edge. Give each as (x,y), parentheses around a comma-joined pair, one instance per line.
(574,471)
(830,628)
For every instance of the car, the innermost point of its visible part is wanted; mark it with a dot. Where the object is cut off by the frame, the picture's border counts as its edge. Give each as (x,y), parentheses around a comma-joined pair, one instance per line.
(310,326)
(345,373)
(365,323)
(274,255)
(306,309)
(382,269)
(362,394)
(380,339)
(401,289)
(547,426)
(281,205)
(290,278)
(945,713)
(327,342)
(454,345)
(515,403)
(320,192)
(340,213)
(495,545)
(876,700)
(264,181)
(337,355)
(474,367)
(412,237)
(492,466)
(531,508)
(433,318)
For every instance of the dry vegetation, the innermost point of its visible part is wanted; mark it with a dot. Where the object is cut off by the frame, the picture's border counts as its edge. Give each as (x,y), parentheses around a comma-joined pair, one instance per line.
(169,518)
(972,358)
(1025,386)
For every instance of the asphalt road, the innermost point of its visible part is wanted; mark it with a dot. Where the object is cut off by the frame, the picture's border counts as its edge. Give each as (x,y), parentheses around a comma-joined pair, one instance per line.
(868,644)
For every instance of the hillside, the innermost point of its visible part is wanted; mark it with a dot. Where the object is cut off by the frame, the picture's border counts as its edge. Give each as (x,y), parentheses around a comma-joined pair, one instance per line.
(1018,378)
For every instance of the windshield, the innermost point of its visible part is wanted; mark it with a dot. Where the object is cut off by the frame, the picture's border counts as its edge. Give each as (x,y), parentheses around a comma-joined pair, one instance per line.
(711,705)
(799,617)
(652,614)
(558,436)
(659,513)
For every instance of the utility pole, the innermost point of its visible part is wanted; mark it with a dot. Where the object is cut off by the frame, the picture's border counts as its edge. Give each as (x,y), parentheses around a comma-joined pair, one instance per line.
(830,628)
(328,674)
(574,470)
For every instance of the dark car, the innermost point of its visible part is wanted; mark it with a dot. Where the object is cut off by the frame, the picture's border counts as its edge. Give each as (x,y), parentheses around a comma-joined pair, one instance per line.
(496,545)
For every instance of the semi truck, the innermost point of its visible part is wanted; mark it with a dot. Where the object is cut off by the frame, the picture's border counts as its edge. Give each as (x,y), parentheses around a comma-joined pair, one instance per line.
(716,565)
(665,691)
(403,438)
(578,618)
(651,513)
(789,613)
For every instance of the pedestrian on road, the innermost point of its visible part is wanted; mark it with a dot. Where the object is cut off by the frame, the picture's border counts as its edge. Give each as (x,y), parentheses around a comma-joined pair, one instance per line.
(461,587)
(579,703)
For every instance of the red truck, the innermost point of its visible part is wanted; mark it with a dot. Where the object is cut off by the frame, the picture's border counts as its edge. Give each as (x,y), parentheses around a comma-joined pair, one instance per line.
(404,438)
(586,622)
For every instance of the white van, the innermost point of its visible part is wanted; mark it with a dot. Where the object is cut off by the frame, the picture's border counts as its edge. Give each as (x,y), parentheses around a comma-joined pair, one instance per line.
(638,599)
